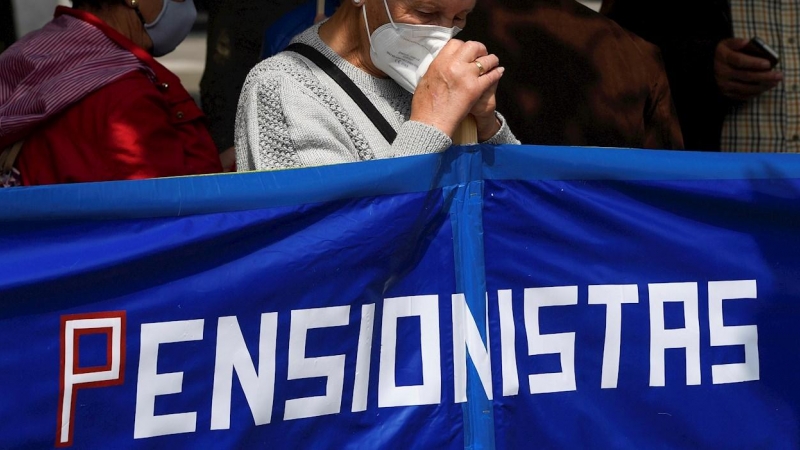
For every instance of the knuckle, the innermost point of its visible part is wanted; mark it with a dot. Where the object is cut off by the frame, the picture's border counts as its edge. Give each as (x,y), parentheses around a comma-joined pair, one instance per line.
(451,47)
(474,45)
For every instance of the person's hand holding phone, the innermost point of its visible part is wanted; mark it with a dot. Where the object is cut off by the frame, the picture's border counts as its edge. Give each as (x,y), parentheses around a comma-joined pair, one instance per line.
(741,76)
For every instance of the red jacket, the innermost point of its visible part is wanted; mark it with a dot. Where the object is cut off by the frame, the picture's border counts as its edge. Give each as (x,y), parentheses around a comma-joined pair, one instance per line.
(137,126)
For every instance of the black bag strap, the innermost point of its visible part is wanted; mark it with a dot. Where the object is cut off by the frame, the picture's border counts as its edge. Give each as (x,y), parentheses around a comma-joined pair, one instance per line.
(347,84)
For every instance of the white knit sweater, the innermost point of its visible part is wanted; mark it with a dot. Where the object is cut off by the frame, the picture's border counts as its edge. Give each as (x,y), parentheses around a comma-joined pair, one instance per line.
(292,114)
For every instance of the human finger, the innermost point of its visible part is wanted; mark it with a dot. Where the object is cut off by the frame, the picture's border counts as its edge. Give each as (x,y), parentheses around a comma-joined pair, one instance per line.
(489,79)
(728,54)
(486,102)
(472,50)
(486,64)
(484,111)
(739,60)
(452,47)
(451,51)
(769,77)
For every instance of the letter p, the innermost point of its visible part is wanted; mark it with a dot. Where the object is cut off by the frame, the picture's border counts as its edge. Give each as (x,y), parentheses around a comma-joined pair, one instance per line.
(75,377)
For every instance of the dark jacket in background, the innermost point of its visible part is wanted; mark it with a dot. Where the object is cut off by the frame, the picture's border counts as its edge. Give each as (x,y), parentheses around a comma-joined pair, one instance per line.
(235,34)
(687,32)
(573,77)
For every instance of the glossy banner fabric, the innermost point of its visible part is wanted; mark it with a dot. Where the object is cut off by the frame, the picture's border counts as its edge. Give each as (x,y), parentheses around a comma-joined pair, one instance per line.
(630,299)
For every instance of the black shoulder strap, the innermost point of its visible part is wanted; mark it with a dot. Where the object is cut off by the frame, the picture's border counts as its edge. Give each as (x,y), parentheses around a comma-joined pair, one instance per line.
(347,84)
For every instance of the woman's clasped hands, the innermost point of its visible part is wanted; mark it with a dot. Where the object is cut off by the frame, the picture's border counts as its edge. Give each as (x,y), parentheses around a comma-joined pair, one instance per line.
(461,80)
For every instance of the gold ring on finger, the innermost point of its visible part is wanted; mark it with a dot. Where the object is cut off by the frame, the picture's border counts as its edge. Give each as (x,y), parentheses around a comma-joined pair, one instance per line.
(481,70)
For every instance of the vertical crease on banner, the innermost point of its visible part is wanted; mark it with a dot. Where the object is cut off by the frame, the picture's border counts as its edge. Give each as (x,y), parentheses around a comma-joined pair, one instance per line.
(466,216)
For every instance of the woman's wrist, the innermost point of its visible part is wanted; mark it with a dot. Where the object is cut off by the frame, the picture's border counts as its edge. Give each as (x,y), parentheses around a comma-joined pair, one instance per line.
(442,123)
(487,127)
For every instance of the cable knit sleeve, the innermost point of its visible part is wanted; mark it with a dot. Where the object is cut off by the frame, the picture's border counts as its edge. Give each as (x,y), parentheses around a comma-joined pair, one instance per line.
(417,138)
(262,134)
(287,120)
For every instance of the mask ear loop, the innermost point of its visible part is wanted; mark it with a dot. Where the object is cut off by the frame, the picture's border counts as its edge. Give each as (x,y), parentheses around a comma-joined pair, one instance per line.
(366,24)
(386,4)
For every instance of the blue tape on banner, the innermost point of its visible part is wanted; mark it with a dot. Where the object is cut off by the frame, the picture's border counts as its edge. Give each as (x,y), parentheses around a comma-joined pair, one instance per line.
(466,219)
(574,163)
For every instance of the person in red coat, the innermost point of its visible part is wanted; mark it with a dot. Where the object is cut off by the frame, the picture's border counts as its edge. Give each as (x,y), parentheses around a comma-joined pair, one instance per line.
(83,99)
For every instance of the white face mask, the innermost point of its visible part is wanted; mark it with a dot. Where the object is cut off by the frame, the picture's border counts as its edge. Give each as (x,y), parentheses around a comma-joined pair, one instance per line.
(404,51)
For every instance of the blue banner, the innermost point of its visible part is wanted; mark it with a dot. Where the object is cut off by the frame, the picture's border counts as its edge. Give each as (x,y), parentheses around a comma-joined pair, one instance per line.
(488,297)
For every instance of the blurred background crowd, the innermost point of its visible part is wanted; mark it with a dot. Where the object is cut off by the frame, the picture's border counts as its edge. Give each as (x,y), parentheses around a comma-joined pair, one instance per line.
(658,74)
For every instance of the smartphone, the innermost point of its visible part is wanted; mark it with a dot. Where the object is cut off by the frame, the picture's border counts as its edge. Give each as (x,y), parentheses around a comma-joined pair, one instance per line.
(760,49)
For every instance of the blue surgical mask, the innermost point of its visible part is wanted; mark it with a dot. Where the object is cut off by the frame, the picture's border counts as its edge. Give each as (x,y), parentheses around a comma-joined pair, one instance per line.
(171,26)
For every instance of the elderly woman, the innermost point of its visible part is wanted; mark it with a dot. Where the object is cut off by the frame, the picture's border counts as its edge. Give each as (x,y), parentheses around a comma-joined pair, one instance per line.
(82,99)
(379,79)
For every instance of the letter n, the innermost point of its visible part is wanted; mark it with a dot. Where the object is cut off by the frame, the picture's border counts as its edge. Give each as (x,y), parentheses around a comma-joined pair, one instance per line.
(74,377)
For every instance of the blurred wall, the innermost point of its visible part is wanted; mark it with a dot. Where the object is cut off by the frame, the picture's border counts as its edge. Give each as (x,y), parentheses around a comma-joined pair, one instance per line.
(30,15)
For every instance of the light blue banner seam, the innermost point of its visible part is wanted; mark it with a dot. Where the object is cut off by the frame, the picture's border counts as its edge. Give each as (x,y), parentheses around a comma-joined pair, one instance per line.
(466,215)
